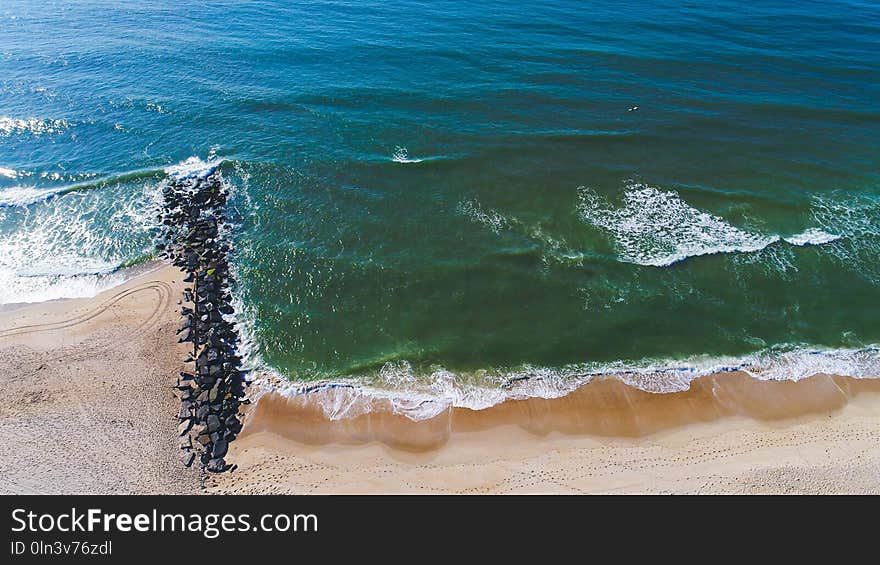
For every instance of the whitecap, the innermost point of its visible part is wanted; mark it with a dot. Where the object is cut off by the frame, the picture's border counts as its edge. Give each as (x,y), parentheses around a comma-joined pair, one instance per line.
(34,126)
(401,155)
(657,228)
(812,236)
(193,167)
(493,219)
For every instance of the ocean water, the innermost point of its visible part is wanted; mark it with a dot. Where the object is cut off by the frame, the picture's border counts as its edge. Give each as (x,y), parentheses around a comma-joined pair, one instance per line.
(446,202)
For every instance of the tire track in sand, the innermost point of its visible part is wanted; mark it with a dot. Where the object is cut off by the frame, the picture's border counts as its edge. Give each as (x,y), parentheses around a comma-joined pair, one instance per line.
(162,289)
(82,403)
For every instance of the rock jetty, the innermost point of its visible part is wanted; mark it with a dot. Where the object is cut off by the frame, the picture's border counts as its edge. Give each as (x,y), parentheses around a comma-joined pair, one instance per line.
(211,393)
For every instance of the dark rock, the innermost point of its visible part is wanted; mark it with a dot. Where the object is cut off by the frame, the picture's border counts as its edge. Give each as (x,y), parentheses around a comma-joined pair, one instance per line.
(220,448)
(187,336)
(213,423)
(217,465)
(184,426)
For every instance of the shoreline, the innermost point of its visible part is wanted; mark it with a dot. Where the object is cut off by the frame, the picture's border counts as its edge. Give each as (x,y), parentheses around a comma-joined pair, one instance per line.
(729,434)
(96,376)
(604,407)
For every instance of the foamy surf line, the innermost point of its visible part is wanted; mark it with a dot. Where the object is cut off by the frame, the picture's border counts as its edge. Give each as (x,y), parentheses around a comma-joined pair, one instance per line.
(421,397)
(37,265)
(193,167)
(27,195)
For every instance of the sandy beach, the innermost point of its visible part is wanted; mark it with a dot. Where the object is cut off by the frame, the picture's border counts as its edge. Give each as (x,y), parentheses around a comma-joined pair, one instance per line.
(729,434)
(88,406)
(89,409)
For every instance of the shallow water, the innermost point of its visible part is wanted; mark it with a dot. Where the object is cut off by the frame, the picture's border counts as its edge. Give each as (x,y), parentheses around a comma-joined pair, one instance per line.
(447,198)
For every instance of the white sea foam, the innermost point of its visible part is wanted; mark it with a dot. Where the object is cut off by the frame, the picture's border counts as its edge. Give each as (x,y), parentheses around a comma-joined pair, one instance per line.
(8,173)
(401,155)
(18,289)
(492,219)
(194,167)
(420,396)
(35,126)
(656,227)
(812,236)
(74,247)
(53,256)
(26,195)
(856,217)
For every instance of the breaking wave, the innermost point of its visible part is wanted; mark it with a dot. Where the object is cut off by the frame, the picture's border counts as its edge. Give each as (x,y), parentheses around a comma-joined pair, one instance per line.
(812,236)
(27,195)
(652,227)
(658,228)
(421,395)
(857,219)
(77,248)
(194,167)
(401,155)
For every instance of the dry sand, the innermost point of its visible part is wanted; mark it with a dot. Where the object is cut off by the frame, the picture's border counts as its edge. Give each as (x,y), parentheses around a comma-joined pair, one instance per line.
(87,405)
(88,408)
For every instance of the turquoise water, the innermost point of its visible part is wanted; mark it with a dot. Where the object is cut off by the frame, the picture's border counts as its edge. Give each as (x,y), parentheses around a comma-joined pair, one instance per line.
(443,198)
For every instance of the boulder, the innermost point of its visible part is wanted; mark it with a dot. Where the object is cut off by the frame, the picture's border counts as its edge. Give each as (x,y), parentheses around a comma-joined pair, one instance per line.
(215,394)
(184,426)
(213,423)
(220,448)
(217,465)
(187,457)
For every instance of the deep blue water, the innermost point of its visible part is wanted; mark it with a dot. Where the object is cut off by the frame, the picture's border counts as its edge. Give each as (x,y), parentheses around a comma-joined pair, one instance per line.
(441,195)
